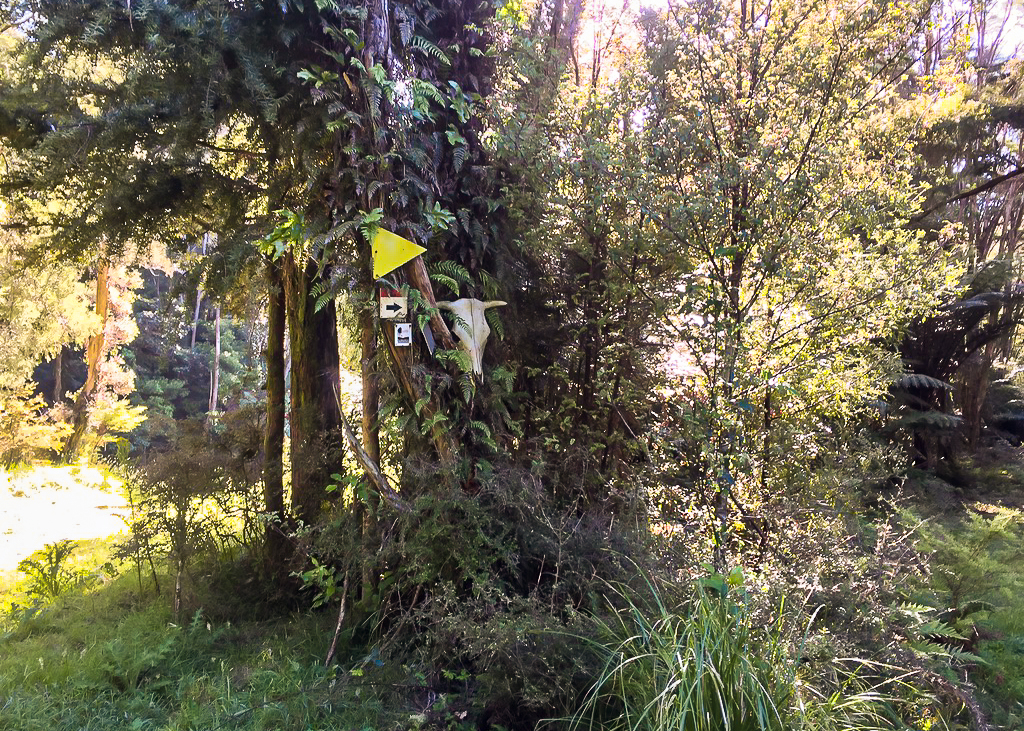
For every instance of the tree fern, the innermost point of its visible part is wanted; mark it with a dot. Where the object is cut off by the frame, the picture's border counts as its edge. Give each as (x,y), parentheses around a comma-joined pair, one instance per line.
(928,420)
(990,277)
(919,380)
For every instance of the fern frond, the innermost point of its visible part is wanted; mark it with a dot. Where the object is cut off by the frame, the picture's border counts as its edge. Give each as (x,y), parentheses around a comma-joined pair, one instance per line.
(453,270)
(459,157)
(931,420)
(428,90)
(432,422)
(373,187)
(488,284)
(457,358)
(445,280)
(494,320)
(934,630)
(919,380)
(429,49)
(320,241)
(992,276)
(468,385)
(480,427)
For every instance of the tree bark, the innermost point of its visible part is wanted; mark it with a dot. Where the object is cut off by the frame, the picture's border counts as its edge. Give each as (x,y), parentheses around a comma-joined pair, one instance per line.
(273,441)
(215,370)
(315,380)
(58,376)
(972,387)
(416,271)
(402,359)
(94,350)
(370,433)
(199,301)
(371,388)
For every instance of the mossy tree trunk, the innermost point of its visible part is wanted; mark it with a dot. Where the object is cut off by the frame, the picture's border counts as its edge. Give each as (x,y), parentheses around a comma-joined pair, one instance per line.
(273,439)
(315,405)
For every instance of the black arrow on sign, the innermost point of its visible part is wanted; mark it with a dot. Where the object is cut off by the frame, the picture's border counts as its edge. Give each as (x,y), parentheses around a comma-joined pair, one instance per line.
(393,308)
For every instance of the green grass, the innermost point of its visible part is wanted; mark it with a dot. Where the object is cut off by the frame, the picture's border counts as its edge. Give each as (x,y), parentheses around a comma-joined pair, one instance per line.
(112,660)
(1000,676)
(706,665)
(110,656)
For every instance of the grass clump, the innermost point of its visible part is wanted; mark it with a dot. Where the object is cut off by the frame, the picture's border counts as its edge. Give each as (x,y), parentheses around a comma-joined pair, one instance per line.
(705,664)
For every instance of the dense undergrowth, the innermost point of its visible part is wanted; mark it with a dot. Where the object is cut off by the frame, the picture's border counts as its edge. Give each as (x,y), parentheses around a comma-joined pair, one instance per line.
(941,645)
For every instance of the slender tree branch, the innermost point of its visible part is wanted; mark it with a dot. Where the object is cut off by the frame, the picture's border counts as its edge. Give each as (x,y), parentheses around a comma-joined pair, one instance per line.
(232,150)
(976,190)
(341,620)
(372,470)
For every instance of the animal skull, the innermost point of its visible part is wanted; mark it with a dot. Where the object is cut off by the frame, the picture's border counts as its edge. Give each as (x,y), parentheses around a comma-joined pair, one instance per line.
(471,327)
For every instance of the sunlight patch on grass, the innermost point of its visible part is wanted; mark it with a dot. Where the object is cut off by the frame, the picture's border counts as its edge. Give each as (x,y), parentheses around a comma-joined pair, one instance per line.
(46,503)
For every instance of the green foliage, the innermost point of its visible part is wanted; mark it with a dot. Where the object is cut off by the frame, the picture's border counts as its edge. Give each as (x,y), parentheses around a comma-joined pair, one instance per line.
(452,275)
(199,498)
(172,379)
(1001,673)
(709,664)
(28,429)
(974,559)
(49,576)
(92,662)
(45,307)
(323,580)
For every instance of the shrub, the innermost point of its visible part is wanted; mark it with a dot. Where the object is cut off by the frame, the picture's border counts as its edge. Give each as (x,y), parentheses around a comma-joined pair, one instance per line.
(49,576)
(973,560)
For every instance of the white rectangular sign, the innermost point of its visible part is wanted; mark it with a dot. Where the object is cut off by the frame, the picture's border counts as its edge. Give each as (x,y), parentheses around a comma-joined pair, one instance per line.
(403,334)
(394,308)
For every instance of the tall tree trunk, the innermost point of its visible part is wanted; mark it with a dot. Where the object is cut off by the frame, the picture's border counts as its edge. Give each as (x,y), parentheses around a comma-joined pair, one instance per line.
(195,319)
(94,353)
(199,300)
(370,434)
(58,376)
(215,370)
(371,388)
(972,387)
(315,379)
(273,441)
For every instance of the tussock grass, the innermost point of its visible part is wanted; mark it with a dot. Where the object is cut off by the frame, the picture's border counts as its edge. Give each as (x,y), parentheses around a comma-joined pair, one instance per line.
(705,665)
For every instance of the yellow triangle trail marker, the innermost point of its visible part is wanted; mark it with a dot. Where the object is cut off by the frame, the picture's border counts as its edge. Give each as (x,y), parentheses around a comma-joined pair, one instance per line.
(391,251)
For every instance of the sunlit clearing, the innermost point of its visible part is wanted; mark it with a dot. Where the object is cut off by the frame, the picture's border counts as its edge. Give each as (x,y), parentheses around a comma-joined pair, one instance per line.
(46,504)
